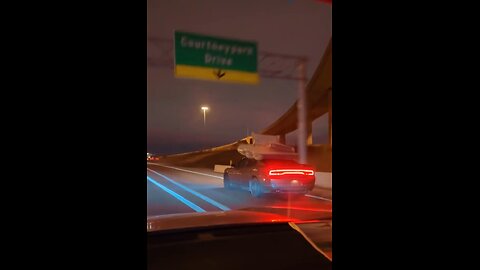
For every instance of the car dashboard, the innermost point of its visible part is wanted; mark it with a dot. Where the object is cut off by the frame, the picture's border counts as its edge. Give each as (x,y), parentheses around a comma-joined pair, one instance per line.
(239,246)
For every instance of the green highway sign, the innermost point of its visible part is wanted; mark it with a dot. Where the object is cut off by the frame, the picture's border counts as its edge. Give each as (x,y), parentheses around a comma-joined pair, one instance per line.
(213,58)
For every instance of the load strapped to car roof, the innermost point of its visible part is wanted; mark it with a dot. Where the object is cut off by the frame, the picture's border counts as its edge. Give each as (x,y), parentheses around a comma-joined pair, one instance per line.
(267,147)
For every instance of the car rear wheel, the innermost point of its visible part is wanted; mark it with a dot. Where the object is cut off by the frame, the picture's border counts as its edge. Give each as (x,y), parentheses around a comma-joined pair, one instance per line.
(227,184)
(255,188)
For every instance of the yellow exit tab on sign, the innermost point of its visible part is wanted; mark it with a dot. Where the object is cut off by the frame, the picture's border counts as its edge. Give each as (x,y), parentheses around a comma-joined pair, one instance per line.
(215,74)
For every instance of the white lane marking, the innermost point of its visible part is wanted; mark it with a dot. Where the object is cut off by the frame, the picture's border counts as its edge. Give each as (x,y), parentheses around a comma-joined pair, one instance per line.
(177,196)
(318,197)
(201,196)
(183,170)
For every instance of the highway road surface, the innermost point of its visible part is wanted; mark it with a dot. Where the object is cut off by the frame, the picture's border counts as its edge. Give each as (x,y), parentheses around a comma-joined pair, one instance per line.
(172,190)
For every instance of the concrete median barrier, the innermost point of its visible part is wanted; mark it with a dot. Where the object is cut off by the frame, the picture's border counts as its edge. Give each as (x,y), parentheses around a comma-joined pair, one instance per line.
(323,180)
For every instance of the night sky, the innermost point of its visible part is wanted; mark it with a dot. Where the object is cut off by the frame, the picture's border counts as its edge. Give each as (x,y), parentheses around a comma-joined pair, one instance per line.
(174,117)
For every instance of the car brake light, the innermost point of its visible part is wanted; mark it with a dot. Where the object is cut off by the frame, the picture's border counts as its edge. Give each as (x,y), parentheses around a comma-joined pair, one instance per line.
(290,171)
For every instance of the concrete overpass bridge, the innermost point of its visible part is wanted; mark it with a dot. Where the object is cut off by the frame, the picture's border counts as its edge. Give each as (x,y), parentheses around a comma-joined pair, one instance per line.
(319,102)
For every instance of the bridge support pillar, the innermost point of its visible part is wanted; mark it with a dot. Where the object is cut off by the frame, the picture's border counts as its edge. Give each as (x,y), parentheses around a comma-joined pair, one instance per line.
(282,138)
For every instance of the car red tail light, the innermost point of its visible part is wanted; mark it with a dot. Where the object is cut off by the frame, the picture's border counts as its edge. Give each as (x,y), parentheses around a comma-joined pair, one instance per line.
(291,171)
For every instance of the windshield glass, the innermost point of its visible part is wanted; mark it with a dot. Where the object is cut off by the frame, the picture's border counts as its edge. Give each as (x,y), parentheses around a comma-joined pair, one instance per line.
(239,111)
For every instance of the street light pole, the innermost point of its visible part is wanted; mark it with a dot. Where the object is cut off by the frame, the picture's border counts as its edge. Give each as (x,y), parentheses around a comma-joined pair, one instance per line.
(204,109)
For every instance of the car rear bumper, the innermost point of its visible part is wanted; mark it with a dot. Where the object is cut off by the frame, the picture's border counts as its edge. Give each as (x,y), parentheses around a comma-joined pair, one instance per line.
(289,186)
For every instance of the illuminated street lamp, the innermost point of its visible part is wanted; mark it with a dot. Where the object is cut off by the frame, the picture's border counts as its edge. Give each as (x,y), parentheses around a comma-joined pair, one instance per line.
(204,109)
